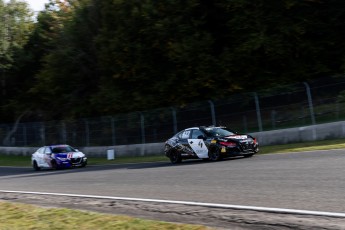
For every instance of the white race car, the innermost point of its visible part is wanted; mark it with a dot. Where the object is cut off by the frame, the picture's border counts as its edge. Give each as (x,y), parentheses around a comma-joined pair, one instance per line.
(58,157)
(213,143)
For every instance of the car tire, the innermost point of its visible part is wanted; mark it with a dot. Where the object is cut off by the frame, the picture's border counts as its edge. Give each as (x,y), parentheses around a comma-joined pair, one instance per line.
(54,165)
(35,166)
(175,157)
(214,154)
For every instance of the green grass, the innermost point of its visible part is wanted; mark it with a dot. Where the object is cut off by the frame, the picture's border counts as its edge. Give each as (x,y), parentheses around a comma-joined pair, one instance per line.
(306,146)
(6,160)
(17,216)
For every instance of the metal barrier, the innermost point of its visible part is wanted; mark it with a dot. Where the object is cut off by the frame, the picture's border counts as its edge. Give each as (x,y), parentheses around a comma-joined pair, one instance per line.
(285,107)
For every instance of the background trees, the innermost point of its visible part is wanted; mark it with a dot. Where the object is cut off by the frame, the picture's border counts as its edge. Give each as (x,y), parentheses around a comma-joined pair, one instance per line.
(16,23)
(93,58)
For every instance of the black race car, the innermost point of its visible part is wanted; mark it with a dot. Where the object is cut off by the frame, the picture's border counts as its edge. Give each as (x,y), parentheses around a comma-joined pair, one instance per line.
(213,143)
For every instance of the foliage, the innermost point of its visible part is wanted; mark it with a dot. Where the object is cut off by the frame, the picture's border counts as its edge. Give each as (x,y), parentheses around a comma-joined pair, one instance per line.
(16,23)
(94,58)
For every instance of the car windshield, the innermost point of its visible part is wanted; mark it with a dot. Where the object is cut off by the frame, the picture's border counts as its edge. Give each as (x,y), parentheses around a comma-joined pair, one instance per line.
(219,132)
(62,149)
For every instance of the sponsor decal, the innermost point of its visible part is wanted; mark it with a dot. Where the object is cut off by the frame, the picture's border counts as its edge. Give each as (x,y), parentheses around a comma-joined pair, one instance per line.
(198,147)
(238,137)
(200,144)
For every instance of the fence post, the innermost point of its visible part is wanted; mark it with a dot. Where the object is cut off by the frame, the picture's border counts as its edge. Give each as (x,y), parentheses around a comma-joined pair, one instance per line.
(25,134)
(63,130)
(174,119)
(213,114)
(245,125)
(258,112)
(43,133)
(142,122)
(87,133)
(113,135)
(310,102)
(273,118)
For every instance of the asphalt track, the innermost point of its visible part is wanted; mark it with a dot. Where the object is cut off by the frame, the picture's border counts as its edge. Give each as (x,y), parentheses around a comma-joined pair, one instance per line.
(309,181)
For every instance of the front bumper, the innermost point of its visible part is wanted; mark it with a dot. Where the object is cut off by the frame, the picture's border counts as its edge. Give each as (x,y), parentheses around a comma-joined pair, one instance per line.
(240,150)
(79,161)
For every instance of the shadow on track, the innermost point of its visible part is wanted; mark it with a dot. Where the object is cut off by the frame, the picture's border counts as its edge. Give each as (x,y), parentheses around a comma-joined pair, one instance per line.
(29,172)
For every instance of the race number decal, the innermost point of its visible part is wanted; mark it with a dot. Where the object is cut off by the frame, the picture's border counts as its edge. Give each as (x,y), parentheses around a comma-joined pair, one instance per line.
(199,147)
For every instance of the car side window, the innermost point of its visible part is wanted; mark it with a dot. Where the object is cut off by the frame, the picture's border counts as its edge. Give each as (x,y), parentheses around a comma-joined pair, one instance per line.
(40,150)
(179,135)
(47,151)
(196,133)
(185,134)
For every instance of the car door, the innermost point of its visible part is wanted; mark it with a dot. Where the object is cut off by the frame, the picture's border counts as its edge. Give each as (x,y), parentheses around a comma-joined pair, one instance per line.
(43,157)
(38,157)
(197,143)
(183,142)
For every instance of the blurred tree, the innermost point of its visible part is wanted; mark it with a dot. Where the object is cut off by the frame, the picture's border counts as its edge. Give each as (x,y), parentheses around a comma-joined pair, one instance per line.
(277,42)
(69,74)
(94,58)
(16,24)
(155,53)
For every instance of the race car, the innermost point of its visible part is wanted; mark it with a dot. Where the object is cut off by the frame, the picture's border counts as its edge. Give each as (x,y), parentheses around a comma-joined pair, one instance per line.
(57,157)
(209,143)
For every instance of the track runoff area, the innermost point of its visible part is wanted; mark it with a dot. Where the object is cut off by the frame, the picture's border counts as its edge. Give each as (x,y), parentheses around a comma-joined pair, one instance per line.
(210,205)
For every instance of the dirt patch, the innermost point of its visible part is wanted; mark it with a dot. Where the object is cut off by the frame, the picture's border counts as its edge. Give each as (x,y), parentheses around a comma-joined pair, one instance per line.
(218,218)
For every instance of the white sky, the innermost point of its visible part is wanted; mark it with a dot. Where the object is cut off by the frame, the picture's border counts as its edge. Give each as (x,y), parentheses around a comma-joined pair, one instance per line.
(37,5)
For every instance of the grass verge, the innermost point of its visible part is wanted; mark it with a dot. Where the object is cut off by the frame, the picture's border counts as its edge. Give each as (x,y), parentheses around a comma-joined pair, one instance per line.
(23,216)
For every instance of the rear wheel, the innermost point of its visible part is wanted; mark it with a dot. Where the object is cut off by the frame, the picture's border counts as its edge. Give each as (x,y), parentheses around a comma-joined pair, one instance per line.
(175,157)
(35,166)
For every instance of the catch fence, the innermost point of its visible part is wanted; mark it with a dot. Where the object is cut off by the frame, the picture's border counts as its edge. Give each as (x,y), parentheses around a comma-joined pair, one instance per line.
(289,106)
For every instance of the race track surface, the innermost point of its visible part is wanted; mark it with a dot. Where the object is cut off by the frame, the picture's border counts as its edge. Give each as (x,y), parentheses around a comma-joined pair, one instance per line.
(312,181)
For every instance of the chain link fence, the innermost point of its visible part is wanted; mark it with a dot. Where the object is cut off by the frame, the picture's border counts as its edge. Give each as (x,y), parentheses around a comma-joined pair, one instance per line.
(290,106)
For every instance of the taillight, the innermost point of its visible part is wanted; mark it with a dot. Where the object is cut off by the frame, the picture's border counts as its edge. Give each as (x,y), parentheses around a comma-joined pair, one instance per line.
(228,144)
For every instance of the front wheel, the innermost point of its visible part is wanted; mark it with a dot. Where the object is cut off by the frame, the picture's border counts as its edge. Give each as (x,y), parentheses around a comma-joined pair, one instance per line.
(54,165)
(175,157)
(214,154)
(248,155)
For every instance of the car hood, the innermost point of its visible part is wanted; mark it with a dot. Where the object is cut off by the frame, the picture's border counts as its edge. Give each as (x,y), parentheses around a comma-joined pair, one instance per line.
(69,155)
(237,137)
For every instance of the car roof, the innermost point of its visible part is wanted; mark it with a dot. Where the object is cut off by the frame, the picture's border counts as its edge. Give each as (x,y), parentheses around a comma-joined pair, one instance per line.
(192,128)
(205,127)
(61,145)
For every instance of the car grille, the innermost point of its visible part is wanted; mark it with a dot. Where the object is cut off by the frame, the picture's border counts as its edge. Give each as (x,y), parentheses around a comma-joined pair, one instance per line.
(76,160)
(246,146)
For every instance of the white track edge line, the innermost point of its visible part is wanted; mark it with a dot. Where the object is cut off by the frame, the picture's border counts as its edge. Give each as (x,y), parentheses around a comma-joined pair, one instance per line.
(212,205)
